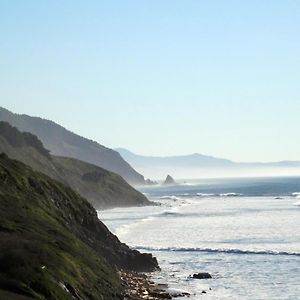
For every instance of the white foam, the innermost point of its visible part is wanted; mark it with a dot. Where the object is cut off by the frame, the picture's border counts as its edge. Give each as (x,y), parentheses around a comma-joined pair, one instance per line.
(230,195)
(296,194)
(205,195)
(171,197)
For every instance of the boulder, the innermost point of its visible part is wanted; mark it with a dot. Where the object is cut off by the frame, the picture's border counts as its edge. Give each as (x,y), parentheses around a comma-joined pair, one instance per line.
(150,182)
(202,275)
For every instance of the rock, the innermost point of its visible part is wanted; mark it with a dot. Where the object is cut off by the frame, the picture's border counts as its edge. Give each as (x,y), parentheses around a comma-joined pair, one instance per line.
(202,275)
(150,182)
(169,180)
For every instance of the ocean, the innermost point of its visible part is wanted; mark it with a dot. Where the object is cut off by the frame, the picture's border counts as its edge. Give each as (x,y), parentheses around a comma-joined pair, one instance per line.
(244,232)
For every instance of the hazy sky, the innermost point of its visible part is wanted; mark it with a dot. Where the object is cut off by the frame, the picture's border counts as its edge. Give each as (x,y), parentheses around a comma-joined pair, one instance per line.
(159,77)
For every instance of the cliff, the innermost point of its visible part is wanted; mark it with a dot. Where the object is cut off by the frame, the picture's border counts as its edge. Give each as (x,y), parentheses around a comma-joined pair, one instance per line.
(52,245)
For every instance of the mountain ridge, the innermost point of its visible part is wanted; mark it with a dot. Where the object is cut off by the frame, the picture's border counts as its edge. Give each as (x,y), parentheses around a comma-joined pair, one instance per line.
(196,163)
(63,142)
(102,188)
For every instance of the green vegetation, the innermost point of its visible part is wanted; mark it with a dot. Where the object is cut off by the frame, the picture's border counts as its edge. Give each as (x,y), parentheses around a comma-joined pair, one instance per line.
(52,245)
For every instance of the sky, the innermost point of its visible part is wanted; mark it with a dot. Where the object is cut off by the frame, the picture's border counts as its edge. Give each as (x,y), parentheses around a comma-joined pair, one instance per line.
(159,77)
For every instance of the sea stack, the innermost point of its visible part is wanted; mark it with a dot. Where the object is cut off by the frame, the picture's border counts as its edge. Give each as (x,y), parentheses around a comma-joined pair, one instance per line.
(169,180)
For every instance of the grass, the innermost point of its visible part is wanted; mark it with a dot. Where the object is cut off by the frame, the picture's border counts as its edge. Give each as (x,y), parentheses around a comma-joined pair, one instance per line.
(43,249)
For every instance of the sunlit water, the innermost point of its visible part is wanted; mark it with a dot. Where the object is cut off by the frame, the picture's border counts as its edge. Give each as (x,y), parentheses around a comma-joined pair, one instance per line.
(241,232)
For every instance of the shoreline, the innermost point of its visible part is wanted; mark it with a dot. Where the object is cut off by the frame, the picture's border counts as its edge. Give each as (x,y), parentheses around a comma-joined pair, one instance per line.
(138,286)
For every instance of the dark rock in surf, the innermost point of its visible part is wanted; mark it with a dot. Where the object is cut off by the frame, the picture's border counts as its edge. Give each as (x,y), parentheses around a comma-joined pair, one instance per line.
(202,275)
(150,182)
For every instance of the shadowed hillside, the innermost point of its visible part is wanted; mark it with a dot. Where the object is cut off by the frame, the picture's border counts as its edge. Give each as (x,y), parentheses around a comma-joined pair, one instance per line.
(52,245)
(103,189)
(63,142)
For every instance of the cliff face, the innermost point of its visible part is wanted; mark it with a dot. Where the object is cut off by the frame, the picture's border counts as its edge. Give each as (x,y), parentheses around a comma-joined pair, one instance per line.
(62,142)
(102,188)
(52,245)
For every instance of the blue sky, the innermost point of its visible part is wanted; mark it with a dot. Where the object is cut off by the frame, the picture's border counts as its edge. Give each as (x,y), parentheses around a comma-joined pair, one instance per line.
(159,77)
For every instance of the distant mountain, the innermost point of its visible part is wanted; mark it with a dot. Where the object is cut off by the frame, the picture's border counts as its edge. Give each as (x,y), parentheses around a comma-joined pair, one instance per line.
(198,165)
(62,142)
(102,188)
(191,160)
(52,244)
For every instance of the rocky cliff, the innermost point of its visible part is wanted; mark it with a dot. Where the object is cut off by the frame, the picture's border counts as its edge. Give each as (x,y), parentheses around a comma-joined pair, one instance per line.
(52,245)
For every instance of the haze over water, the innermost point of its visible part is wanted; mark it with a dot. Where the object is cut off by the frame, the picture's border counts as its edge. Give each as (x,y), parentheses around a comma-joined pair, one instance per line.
(243,232)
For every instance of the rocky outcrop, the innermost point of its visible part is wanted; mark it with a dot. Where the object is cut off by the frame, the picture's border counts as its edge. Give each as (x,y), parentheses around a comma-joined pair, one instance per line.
(138,286)
(201,275)
(169,180)
(150,182)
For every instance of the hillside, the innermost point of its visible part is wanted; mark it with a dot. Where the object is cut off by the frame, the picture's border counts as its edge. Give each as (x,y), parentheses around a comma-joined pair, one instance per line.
(62,142)
(52,245)
(103,189)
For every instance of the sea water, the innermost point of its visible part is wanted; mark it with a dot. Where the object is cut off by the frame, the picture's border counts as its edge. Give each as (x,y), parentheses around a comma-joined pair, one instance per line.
(244,232)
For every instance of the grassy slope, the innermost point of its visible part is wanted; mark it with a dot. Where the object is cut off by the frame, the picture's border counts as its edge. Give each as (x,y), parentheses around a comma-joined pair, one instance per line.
(102,188)
(50,237)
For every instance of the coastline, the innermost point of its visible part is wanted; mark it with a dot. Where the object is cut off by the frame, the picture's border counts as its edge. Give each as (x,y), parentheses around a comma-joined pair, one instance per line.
(138,286)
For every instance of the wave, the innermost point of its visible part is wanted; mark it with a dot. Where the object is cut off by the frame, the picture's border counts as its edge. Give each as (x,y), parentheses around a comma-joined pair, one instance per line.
(296,194)
(219,195)
(205,195)
(170,213)
(171,197)
(226,251)
(230,195)
(297,203)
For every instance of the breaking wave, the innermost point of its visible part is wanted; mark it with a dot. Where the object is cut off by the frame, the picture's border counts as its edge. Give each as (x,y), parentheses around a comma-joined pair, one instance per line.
(171,197)
(230,195)
(226,251)
(205,195)
(219,195)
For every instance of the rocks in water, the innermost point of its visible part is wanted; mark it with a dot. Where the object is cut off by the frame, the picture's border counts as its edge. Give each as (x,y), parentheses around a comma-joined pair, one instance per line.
(150,182)
(202,275)
(138,286)
(169,180)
